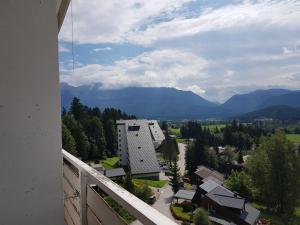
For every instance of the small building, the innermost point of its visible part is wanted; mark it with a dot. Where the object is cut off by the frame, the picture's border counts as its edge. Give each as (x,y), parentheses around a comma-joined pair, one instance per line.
(115,174)
(185,195)
(225,206)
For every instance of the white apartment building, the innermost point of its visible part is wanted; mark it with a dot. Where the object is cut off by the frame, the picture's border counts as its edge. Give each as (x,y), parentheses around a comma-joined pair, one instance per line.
(137,141)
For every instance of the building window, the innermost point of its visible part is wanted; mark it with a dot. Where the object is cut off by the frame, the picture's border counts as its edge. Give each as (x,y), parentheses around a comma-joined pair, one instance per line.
(139,147)
(137,135)
(142,160)
(133,128)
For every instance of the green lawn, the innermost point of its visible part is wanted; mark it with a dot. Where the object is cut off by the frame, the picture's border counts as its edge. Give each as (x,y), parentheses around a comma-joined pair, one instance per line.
(110,163)
(178,213)
(293,137)
(276,219)
(152,183)
(212,127)
(180,140)
(174,131)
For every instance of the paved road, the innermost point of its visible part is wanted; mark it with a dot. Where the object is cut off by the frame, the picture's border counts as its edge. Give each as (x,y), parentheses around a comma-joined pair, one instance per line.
(181,160)
(165,194)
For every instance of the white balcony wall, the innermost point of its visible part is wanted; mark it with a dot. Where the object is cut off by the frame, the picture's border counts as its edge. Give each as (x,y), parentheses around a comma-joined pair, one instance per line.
(30,134)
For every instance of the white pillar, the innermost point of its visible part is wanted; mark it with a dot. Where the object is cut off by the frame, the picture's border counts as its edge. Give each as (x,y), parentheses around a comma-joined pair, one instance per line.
(30,132)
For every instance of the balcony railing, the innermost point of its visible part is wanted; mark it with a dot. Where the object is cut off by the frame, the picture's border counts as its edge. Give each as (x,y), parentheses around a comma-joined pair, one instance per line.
(83,205)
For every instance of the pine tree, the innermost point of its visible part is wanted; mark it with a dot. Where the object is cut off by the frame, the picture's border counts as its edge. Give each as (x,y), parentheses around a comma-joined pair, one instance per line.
(240,159)
(128,184)
(68,142)
(175,179)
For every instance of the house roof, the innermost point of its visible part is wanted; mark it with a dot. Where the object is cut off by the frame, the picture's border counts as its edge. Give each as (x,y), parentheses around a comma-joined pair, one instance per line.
(185,194)
(116,172)
(250,215)
(141,152)
(205,172)
(209,185)
(213,179)
(226,198)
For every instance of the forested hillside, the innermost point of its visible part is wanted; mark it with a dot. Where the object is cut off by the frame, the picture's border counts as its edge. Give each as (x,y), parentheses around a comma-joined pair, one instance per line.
(90,133)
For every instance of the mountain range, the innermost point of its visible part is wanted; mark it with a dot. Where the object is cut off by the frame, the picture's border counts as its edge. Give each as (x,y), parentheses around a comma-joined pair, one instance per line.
(170,103)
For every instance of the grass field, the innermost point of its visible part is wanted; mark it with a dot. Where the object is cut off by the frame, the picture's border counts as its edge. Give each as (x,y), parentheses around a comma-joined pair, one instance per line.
(212,127)
(293,137)
(110,163)
(180,140)
(151,183)
(174,131)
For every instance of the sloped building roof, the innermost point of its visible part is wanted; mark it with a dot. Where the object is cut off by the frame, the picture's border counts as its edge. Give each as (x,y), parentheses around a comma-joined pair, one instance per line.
(156,131)
(141,152)
(115,172)
(185,194)
(209,185)
(226,198)
(205,172)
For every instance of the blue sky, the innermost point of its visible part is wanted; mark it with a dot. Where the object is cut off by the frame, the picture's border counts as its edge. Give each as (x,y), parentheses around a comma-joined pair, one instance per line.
(213,48)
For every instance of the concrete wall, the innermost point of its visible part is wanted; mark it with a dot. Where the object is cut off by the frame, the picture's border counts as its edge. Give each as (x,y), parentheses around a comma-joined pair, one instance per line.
(30,135)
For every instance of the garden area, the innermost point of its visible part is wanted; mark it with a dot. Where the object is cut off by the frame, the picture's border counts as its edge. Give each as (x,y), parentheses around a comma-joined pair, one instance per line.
(182,211)
(151,183)
(110,163)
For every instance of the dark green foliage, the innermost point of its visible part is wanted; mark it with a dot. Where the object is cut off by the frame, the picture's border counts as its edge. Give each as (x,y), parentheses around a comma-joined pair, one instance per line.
(212,159)
(68,142)
(241,183)
(94,132)
(143,192)
(275,169)
(240,157)
(128,184)
(201,217)
(169,148)
(175,179)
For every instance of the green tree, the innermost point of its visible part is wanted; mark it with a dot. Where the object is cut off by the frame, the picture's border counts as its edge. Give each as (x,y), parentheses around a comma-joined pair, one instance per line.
(111,137)
(201,217)
(169,148)
(68,142)
(94,130)
(241,183)
(275,169)
(212,158)
(128,184)
(195,155)
(143,192)
(240,157)
(175,179)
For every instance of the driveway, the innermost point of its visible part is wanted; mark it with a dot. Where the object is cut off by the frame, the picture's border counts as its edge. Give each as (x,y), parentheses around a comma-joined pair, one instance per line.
(165,194)
(181,160)
(162,204)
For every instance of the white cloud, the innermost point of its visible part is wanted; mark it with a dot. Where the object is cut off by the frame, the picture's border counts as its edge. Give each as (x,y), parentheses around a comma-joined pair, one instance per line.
(216,52)
(62,48)
(251,14)
(134,21)
(102,49)
(159,68)
(111,21)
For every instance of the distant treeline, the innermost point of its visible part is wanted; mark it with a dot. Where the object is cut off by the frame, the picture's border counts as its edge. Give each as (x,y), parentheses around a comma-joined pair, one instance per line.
(90,133)
(240,136)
